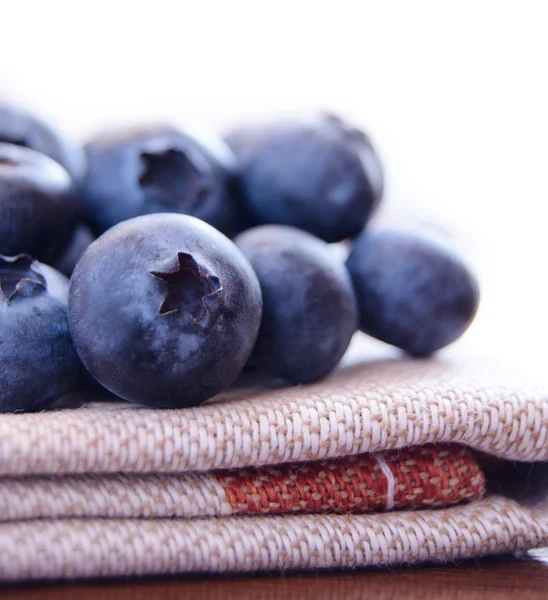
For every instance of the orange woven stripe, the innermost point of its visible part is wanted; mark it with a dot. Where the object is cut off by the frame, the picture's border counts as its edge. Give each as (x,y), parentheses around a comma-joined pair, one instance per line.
(434,476)
(339,486)
(426,476)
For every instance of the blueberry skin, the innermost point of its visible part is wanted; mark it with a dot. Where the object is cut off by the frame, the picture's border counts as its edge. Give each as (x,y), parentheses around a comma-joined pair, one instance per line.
(412,292)
(57,284)
(38,362)
(164,310)
(158,169)
(39,206)
(22,128)
(309,309)
(317,174)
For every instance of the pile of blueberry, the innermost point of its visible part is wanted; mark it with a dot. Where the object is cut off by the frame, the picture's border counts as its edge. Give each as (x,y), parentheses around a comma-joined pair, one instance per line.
(163,308)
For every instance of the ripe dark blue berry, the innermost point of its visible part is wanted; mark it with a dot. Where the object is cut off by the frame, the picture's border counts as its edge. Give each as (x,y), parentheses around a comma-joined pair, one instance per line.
(57,283)
(309,309)
(318,175)
(38,362)
(412,292)
(159,169)
(20,127)
(39,208)
(164,310)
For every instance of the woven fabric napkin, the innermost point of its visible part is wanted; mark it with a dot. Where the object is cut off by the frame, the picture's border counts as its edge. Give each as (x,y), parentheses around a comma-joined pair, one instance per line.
(386,462)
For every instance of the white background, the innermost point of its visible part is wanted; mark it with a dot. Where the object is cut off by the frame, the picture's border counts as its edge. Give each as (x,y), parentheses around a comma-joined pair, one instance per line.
(454,94)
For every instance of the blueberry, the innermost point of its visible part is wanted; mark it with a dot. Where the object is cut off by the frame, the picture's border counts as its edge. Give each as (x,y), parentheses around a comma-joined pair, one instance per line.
(39,207)
(309,309)
(412,292)
(57,283)
(20,127)
(164,310)
(158,169)
(38,362)
(318,174)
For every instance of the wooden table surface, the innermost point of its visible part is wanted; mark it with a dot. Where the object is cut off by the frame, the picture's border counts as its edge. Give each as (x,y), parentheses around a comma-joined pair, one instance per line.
(505,578)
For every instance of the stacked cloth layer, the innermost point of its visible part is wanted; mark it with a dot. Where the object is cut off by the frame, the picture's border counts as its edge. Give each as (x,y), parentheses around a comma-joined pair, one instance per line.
(386,462)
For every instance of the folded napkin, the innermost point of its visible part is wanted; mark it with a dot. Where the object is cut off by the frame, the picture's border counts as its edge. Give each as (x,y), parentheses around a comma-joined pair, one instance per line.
(386,462)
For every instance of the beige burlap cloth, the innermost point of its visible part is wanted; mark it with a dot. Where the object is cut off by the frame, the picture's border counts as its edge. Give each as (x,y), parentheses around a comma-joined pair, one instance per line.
(115,489)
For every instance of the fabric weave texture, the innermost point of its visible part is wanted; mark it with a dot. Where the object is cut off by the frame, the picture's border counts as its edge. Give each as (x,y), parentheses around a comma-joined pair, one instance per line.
(376,465)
